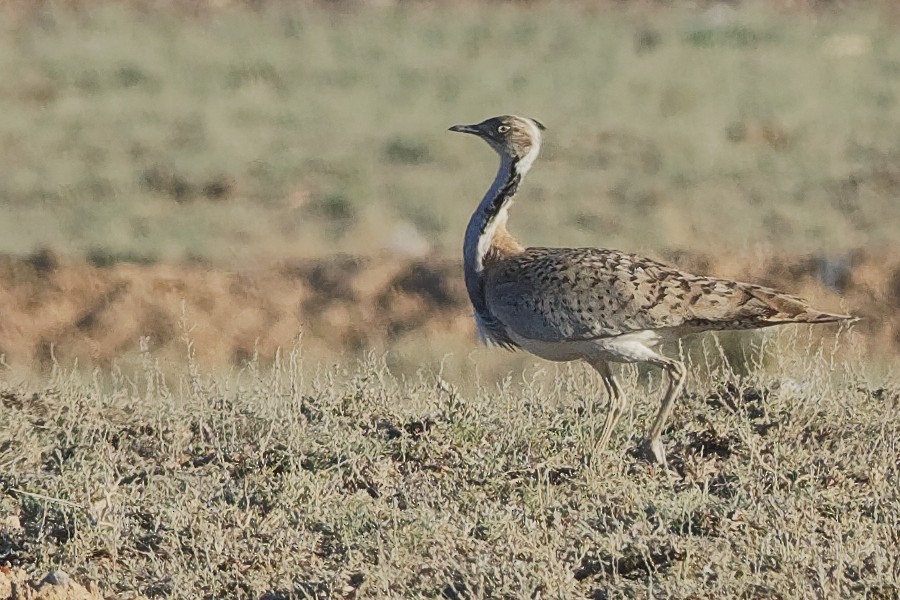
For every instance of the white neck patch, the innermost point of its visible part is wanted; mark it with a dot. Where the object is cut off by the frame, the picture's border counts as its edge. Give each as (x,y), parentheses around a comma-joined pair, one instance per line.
(480,231)
(526,161)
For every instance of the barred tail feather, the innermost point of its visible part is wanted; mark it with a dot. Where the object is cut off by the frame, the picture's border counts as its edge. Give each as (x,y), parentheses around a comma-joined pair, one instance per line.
(791,309)
(815,316)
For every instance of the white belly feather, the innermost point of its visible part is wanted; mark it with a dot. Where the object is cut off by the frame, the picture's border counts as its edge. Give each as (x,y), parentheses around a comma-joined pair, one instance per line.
(630,347)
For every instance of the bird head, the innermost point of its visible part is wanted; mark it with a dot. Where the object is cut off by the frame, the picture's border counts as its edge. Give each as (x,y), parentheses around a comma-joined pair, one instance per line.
(510,136)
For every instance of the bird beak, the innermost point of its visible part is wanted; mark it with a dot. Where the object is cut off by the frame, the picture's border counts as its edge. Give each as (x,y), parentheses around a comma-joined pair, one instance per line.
(466,129)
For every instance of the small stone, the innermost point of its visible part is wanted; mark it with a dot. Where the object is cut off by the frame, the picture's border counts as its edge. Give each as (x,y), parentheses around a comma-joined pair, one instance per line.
(58,578)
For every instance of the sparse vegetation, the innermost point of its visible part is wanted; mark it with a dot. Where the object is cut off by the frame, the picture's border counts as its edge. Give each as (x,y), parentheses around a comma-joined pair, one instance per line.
(353,484)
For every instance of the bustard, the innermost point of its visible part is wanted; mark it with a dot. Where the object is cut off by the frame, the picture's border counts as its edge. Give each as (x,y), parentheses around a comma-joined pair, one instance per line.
(592,304)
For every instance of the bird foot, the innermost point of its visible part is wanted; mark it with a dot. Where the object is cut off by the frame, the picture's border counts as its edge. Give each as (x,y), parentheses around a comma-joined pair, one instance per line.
(653,451)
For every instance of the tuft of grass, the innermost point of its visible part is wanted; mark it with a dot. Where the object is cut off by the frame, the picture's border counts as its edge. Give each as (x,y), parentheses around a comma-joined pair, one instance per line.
(354,483)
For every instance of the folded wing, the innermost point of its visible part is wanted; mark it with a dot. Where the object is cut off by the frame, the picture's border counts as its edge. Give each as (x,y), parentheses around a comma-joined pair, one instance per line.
(560,294)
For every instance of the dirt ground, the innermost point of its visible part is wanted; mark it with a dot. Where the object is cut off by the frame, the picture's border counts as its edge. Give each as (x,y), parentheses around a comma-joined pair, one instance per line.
(16,584)
(55,309)
(273,486)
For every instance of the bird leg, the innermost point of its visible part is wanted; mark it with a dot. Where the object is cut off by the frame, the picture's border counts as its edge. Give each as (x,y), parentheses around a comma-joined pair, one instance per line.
(677,375)
(616,401)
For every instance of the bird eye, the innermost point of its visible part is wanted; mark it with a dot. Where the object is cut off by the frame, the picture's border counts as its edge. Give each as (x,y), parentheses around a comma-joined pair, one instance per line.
(503,129)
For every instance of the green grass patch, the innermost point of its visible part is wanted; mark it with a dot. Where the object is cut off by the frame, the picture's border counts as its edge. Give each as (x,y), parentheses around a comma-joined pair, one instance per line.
(667,129)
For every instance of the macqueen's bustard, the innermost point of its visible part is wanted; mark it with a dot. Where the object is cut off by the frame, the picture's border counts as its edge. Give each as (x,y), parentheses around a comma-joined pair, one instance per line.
(596,305)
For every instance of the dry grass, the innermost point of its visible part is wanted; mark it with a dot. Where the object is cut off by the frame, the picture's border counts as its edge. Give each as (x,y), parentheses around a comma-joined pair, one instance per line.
(359,485)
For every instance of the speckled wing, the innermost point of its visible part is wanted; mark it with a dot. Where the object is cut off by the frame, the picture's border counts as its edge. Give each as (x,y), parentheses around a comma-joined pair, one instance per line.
(566,294)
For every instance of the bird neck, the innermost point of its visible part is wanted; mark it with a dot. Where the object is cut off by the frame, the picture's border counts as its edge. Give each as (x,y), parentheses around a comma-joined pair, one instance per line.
(489,219)
(486,234)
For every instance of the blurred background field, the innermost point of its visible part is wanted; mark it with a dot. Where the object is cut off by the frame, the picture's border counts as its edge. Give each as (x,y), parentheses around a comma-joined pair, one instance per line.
(203,163)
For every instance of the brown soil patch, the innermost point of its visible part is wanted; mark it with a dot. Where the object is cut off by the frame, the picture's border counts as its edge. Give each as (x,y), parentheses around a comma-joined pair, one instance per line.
(53,308)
